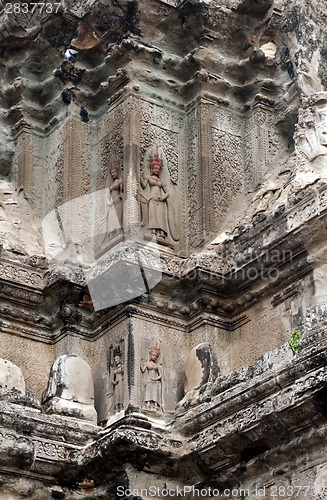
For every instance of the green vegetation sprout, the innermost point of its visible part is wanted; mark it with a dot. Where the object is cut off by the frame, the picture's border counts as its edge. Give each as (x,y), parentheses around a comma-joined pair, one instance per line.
(294,343)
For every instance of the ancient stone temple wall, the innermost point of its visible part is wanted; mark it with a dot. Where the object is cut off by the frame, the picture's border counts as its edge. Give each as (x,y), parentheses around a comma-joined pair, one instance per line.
(163,226)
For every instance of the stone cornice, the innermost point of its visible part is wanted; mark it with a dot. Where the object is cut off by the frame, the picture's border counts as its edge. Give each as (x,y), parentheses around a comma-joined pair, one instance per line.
(226,277)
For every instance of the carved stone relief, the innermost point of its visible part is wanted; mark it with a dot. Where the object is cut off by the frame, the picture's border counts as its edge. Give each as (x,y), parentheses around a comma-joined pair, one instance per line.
(151,370)
(214,167)
(311,133)
(110,140)
(131,134)
(161,126)
(68,217)
(53,159)
(53,451)
(21,274)
(74,180)
(262,143)
(25,159)
(164,128)
(193,182)
(115,201)
(147,334)
(28,355)
(227,161)
(118,380)
(109,207)
(155,208)
(102,360)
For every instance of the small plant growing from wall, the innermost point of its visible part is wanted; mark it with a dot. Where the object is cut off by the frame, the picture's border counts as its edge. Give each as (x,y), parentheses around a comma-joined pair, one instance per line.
(294,343)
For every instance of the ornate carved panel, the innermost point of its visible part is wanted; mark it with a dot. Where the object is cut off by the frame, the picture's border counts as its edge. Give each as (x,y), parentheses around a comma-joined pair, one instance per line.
(110,141)
(73,178)
(164,127)
(24,162)
(262,143)
(227,162)
(194,181)
(132,161)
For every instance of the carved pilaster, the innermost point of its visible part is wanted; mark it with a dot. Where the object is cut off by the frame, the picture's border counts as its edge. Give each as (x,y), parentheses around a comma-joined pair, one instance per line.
(131,134)
(110,140)
(205,145)
(227,161)
(194,180)
(73,179)
(25,158)
(182,154)
(261,144)
(133,361)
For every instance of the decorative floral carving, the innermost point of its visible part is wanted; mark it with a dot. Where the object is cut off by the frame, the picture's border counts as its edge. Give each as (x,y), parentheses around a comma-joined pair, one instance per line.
(15,273)
(50,450)
(261,144)
(227,166)
(110,134)
(194,227)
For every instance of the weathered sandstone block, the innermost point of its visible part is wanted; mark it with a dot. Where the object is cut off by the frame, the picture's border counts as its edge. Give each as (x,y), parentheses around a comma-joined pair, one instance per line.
(70,389)
(198,367)
(11,376)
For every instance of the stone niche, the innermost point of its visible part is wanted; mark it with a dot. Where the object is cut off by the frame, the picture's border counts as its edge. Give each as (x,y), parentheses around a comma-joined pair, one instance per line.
(70,389)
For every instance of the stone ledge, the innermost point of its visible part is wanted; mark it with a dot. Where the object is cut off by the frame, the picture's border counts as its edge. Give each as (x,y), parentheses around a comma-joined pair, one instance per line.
(231,421)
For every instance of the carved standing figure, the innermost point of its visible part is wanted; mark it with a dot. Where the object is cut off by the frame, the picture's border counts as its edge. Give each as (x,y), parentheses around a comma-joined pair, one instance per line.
(115,200)
(152,385)
(265,197)
(118,381)
(153,200)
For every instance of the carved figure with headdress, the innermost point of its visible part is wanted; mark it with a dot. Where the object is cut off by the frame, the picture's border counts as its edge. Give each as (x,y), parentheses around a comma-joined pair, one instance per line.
(115,199)
(118,384)
(152,381)
(311,130)
(153,197)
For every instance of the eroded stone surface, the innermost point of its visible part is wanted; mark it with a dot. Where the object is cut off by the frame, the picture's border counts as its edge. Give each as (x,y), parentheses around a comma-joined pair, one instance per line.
(11,376)
(198,367)
(70,389)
